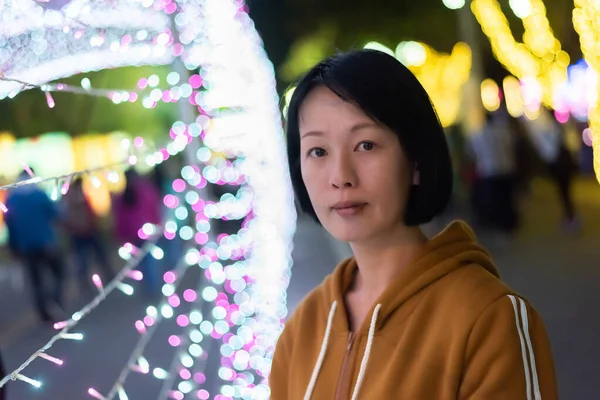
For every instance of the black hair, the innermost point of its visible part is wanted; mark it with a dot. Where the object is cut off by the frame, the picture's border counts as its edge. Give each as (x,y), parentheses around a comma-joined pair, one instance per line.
(390,94)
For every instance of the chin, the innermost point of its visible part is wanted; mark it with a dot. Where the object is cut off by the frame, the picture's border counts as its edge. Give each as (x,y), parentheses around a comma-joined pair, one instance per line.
(348,233)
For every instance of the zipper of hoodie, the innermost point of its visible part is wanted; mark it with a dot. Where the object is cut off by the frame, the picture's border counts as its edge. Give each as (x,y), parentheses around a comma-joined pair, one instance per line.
(343,378)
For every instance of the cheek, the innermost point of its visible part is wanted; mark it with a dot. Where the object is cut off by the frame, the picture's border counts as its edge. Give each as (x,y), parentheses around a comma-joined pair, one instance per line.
(310,177)
(391,185)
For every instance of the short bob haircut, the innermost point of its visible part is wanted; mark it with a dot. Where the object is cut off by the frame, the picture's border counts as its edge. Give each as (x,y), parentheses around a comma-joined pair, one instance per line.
(391,95)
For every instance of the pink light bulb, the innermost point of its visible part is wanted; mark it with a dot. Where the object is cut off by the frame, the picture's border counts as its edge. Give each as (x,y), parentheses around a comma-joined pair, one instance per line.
(169,277)
(185,374)
(97,281)
(183,321)
(179,185)
(60,325)
(174,340)
(200,378)
(174,301)
(189,295)
(136,275)
(94,393)
(50,100)
(177,395)
(148,320)
(138,142)
(141,328)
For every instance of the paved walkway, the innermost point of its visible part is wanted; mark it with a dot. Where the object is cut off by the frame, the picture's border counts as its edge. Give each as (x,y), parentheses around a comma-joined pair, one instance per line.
(560,275)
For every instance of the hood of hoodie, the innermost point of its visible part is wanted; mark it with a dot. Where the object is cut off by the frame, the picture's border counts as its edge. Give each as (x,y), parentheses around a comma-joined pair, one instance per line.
(453,248)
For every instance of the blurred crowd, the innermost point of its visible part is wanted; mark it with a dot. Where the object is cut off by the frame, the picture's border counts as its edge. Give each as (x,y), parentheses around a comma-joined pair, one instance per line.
(38,227)
(496,165)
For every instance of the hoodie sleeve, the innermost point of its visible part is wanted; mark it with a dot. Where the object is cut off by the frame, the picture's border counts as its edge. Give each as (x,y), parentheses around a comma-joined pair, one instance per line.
(508,355)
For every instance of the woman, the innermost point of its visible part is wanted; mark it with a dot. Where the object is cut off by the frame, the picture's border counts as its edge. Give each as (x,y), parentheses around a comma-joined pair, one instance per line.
(138,204)
(406,317)
(82,225)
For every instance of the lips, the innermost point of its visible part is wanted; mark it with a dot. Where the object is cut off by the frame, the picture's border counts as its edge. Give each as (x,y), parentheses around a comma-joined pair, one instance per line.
(348,209)
(347,204)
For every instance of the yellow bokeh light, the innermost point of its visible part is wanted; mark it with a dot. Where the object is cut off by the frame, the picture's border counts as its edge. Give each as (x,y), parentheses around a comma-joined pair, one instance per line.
(586,19)
(442,75)
(513,96)
(539,56)
(490,95)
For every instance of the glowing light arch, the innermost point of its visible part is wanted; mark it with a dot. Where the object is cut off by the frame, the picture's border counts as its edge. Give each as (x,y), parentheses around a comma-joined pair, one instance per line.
(40,44)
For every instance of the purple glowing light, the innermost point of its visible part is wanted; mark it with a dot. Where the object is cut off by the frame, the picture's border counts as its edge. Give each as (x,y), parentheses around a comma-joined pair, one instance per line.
(185,374)
(126,40)
(183,321)
(171,201)
(141,328)
(142,83)
(169,277)
(189,295)
(60,325)
(179,185)
(148,320)
(167,96)
(177,395)
(195,81)
(174,340)
(174,301)
(138,142)
(142,235)
(203,394)
(136,275)
(201,238)
(200,378)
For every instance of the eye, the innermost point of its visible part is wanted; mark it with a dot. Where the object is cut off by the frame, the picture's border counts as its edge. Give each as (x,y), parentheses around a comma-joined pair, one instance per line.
(316,152)
(366,146)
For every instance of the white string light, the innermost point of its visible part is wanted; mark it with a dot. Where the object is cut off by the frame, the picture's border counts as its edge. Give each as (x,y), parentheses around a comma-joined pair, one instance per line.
(69,324)
(69,176)
(146,336)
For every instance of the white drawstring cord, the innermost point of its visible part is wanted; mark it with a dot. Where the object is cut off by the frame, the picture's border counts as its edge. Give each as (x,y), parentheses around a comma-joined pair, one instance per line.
(365,359)
(317,369)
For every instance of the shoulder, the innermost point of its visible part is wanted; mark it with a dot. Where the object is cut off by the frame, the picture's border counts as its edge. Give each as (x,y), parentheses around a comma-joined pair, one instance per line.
(472,289)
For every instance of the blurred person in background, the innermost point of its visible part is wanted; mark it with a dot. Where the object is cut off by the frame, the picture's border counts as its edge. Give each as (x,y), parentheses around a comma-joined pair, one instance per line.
(137,205)
(493,193)
(547,136)
(162,177)
(81,224)
(31,219)
(407,316)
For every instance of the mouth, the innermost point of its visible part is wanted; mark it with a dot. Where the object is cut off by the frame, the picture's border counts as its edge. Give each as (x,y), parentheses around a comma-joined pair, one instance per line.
(348,208)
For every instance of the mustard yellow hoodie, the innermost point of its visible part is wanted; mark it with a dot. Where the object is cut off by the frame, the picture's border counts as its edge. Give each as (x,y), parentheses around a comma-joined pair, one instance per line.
(445,328)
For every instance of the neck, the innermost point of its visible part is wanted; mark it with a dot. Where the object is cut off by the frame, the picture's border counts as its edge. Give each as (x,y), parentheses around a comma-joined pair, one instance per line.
(382,259)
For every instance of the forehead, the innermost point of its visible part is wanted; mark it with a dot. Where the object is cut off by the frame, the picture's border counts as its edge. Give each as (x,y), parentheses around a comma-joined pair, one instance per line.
(323,107)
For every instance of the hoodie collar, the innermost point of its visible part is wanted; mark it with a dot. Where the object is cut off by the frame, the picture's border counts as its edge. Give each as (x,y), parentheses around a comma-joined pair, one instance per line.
(451,249)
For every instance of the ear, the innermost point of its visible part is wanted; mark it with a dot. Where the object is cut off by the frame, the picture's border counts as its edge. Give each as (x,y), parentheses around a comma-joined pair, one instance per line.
(416,176)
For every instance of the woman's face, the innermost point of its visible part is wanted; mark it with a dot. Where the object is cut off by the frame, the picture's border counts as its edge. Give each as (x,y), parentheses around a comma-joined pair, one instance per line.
(355,171)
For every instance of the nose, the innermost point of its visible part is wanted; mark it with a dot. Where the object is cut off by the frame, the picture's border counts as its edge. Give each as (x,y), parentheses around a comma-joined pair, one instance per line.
(343,173)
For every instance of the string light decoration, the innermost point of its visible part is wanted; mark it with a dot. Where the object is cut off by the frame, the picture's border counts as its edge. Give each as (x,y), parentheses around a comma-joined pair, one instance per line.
(66,326)
(539,57)
(67,177)
(442,75)
(242,147)
(147,90)
(586,19)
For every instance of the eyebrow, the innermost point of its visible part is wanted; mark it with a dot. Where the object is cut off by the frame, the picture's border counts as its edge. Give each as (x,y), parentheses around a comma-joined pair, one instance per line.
(357,127)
